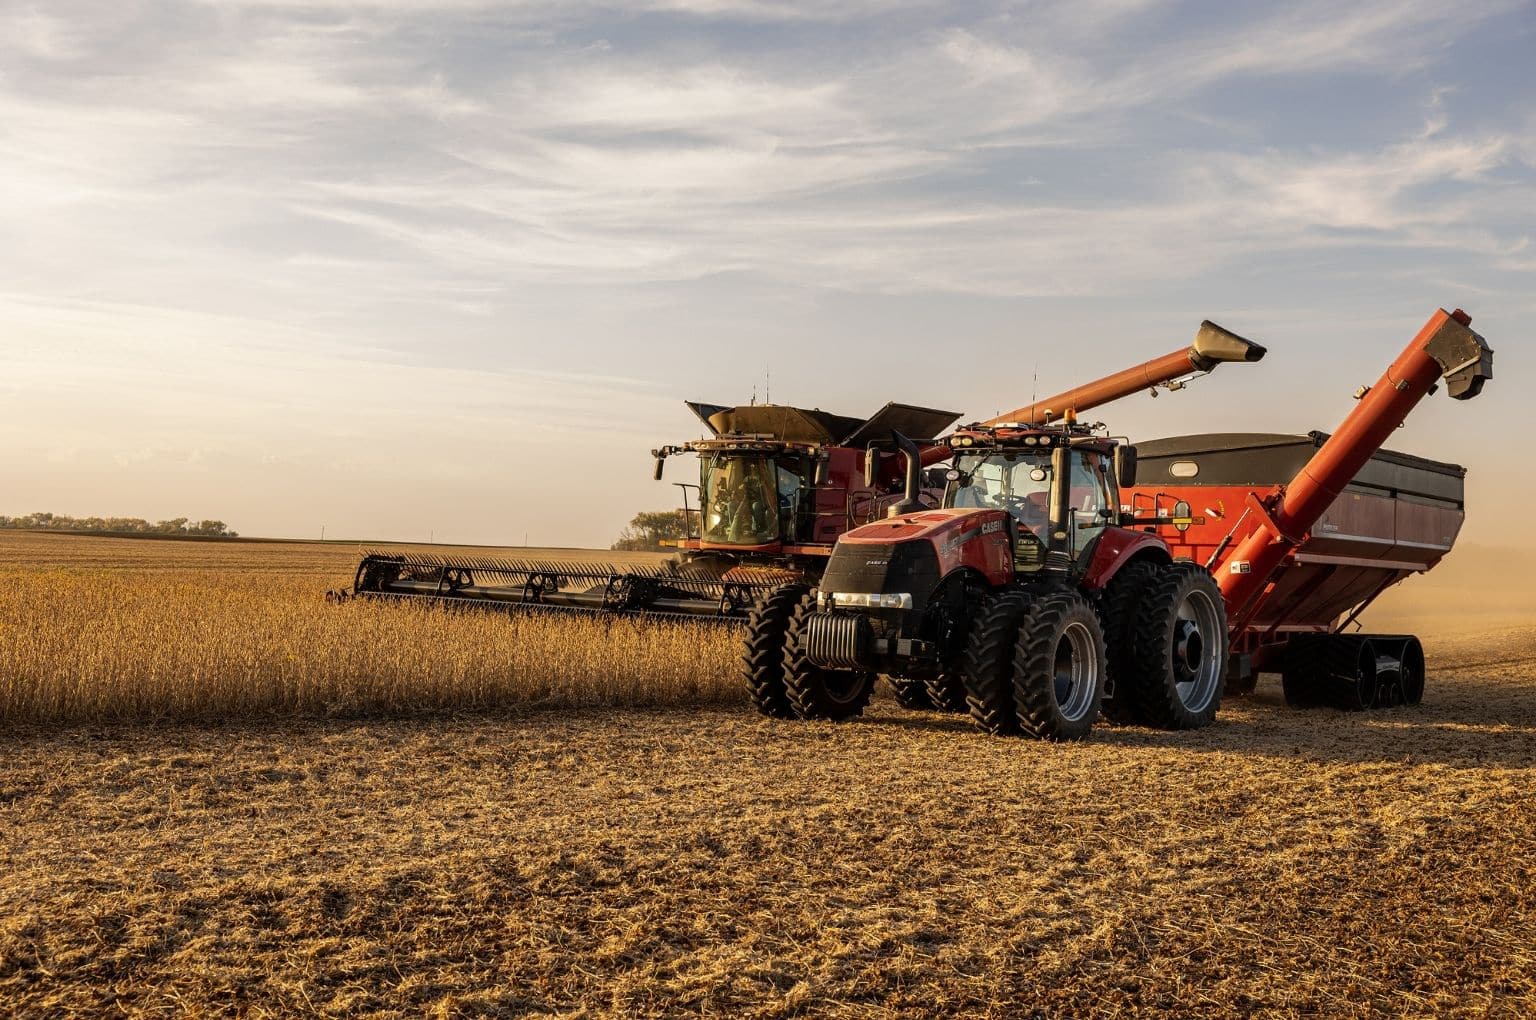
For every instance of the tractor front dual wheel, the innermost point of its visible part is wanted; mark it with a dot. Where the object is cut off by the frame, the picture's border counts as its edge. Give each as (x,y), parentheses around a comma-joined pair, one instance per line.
(815,692)
(762,659)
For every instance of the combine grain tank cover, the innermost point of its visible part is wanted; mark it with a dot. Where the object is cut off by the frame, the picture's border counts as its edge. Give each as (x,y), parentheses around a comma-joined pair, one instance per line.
(790,424)
(916,423)
(1265,459)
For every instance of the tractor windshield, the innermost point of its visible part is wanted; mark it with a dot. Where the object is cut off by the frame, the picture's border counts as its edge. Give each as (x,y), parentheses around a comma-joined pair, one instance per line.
(1019,483)
(741,493)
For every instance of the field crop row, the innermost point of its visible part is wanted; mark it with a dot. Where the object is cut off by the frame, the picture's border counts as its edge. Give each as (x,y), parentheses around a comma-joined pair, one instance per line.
(81,646)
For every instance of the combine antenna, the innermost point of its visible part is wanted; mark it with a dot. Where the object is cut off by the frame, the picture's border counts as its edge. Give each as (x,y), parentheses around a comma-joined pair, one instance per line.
(767,384)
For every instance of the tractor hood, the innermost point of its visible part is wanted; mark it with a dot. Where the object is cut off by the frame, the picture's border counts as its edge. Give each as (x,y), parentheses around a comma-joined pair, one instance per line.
(923,524)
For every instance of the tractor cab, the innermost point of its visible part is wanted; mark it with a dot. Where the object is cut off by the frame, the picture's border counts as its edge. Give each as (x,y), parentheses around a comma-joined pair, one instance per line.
(1030,471)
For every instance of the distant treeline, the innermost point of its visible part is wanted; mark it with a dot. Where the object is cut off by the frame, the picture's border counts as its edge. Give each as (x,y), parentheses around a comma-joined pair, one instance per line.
(132,525)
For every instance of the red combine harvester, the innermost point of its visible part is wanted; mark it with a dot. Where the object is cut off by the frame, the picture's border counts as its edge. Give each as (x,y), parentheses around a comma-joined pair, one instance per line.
(777,486)
(1036,594)
(1305,532)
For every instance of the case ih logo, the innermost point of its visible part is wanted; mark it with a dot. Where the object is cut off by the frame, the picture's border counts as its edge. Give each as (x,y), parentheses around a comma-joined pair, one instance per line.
(991,527)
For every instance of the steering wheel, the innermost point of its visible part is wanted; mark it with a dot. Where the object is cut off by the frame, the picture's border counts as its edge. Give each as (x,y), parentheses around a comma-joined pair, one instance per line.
(1031,509)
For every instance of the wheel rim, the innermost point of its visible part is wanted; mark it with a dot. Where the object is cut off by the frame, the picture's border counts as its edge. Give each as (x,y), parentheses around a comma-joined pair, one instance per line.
(1197,665)
(1074,677)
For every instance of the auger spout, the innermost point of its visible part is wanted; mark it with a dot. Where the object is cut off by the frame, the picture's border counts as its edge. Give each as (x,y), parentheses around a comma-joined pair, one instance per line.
(1212,346)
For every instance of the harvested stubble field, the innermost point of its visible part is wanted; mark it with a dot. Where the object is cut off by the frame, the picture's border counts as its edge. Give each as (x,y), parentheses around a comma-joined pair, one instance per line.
(656,860)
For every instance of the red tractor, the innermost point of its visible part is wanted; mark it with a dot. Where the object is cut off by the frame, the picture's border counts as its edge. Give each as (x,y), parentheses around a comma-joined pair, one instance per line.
(1026,598)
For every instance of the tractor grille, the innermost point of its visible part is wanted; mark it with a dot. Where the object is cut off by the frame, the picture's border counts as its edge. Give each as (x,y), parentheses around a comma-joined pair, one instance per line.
(838,640)
(887,568)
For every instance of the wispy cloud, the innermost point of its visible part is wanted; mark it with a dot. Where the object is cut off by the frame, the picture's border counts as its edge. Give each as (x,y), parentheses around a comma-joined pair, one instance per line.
(392,185)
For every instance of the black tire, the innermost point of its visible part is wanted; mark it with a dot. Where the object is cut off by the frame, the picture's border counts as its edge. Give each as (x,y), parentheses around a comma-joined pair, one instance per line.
(1413,672)
(1059,668)
(946,690)
(910,692)
(1301,670)
(816,693)
(1179,650)
(988,663)
(1330,670)
(762,659)
(1118,616)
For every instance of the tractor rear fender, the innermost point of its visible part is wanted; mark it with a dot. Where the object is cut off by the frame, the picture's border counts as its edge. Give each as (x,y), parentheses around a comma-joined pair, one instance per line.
(1116,549)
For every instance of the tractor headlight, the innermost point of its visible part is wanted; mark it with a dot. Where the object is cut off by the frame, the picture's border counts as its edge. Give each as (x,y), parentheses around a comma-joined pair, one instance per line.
(867,600)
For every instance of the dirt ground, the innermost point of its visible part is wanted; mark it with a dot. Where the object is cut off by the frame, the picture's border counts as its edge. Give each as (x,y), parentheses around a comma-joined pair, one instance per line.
(646,863)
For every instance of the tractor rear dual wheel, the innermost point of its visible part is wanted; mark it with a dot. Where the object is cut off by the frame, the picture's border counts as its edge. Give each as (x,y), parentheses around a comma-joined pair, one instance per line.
(1059,668)
(1176,660)
(1122,598)
(988,663)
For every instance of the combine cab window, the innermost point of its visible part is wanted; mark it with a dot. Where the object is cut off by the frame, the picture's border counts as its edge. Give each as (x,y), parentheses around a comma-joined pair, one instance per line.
(741,495)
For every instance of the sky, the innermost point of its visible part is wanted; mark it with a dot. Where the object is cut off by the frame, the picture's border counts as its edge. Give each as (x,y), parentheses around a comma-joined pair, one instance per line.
(403,269)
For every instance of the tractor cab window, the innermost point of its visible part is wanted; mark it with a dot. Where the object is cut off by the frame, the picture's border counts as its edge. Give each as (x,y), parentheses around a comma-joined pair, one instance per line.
(741,496)
(1019,483)
(1091,497)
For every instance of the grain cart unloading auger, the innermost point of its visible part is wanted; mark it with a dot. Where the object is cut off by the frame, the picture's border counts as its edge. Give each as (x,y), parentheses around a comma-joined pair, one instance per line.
(777,486)
(1034,595)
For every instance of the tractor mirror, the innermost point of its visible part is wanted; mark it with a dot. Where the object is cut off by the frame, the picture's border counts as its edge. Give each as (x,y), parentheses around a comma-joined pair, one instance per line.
(1125,466)
(819,472)
(661,462)
(871,467)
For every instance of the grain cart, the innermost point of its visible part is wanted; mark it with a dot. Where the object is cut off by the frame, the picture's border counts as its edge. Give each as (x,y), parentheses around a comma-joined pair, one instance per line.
(777,486)
(1305,532)
(1039,594)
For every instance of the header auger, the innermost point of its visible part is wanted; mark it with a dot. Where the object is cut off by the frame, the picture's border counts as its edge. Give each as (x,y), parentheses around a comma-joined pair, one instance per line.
(777,486)
(1037,596)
